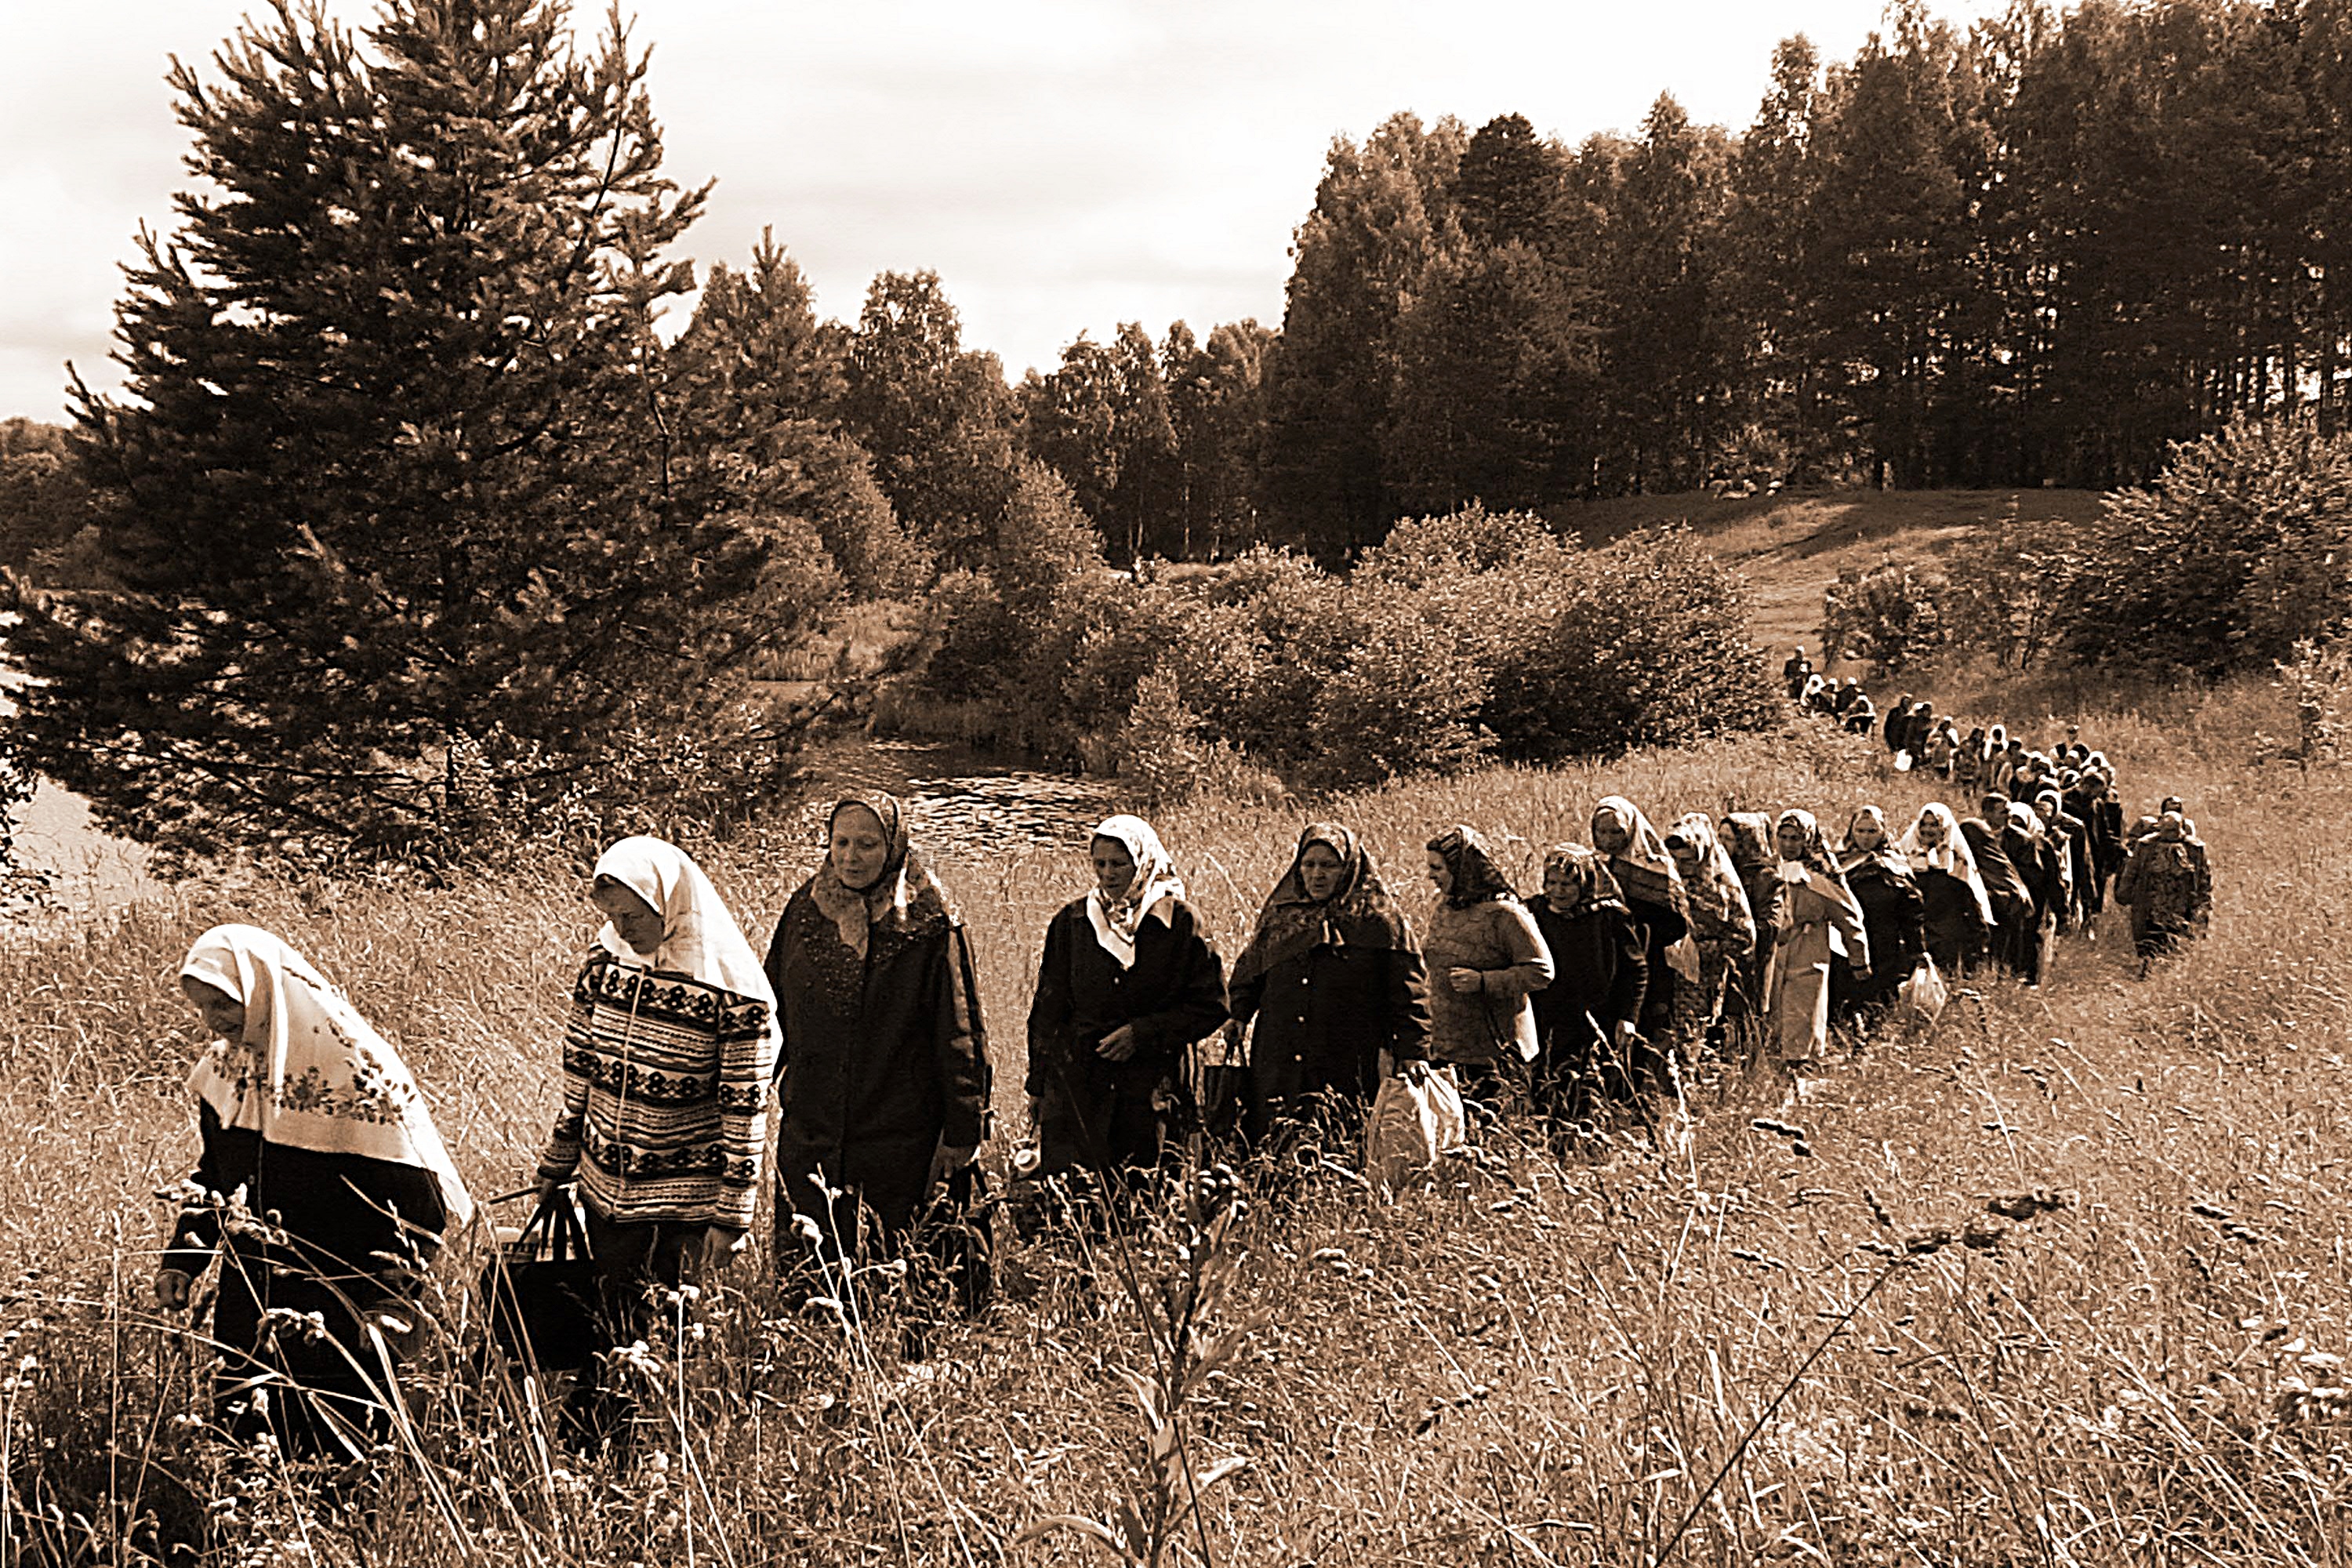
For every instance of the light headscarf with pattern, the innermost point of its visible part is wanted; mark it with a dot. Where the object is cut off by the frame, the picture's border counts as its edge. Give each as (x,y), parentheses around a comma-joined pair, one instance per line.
(307,1072)
(1155,884)
(699,937)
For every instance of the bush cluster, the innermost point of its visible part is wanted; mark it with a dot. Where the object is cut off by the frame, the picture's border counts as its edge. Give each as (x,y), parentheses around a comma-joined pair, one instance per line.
(1473,636)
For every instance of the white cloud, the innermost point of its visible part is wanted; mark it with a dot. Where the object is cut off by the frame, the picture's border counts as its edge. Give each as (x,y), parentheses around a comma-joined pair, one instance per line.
(1064,164)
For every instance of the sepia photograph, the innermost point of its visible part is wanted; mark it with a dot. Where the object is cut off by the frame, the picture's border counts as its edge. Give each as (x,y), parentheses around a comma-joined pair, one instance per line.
(1306,784)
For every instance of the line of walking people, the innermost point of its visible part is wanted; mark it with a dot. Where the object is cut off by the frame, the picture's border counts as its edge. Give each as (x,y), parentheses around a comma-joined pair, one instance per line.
(850,1065)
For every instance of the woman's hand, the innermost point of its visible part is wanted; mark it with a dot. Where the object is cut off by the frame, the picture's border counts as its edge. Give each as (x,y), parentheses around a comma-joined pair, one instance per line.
(720,1243)
(172,1288)
(950,1158)
(1465,981)
(1118,1046)
(547,1187)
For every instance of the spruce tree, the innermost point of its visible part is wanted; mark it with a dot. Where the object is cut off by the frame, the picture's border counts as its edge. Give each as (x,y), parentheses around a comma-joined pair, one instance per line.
(390,486)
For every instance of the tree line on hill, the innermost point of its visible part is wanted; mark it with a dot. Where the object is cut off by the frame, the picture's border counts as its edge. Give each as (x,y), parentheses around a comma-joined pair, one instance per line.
(407,514)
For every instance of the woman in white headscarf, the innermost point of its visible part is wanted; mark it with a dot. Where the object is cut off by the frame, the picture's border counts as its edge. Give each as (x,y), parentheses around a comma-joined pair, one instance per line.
(1820,921)
(309,1117)
(1956,906)
(667,1057)
(1128,981)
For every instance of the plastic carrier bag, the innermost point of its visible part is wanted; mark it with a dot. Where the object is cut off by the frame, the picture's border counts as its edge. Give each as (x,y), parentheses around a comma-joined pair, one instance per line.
(1416,1117)
(1925,992)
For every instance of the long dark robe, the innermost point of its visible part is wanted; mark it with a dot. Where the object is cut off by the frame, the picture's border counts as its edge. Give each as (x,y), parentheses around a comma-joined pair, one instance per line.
(1599,975)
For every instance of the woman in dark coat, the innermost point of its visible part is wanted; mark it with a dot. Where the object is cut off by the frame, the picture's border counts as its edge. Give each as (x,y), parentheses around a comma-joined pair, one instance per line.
(1747,837)
(1652,883)
(2040,863)
(1587,1018)
(308,1117)
(1335,981)
(1954,908)
(2014,940)
(884,1061)
(1128,982)
(1893,915)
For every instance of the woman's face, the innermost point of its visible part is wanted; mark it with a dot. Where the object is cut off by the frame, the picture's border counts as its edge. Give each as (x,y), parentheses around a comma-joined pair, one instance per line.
(223,1014)
(636,921)
(1867,834)
(1114,870)
(1609,835)
(1319,871)
(1791,840)
(1686,854)
(859,848)
(1441,875)
(1931,831)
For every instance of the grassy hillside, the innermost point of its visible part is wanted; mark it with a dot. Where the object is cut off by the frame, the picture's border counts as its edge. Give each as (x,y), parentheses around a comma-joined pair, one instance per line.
(1793,546)
(1833,1355)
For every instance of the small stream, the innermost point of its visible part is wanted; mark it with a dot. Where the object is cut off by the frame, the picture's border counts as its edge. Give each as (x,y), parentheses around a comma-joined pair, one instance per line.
(961,802)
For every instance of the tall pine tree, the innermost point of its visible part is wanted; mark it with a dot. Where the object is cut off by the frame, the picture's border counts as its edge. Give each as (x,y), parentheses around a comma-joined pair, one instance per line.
(392,481)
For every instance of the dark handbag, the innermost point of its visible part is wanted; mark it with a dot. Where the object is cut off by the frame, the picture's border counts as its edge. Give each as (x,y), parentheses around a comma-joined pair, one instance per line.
(538,1292)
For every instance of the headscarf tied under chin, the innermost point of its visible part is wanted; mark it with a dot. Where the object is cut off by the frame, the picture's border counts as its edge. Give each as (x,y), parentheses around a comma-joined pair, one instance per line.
(700,938)
(1647,873)
(1471,872)
(1852,856)
(1360,913)
(902,896)
(1813,867)
(1952,857)
(1155,883)
(1591,887)
(307,1072)
(1718,897)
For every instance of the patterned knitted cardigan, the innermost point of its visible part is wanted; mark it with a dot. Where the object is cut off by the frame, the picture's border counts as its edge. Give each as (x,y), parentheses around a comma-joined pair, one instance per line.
(664,1113)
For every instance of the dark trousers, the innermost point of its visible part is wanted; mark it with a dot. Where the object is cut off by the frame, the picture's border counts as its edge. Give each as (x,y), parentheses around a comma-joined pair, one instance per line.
(633,1260)
(863,1197)
(314,1381)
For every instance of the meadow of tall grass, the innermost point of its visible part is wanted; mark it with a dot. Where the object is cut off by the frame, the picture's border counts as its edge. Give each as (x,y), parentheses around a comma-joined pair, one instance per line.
(2061,1280)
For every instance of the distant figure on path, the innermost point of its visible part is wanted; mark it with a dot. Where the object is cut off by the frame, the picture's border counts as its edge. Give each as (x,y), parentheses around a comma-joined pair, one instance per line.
(1795,671)
(1336,982)
(311,1116)
(884,1056)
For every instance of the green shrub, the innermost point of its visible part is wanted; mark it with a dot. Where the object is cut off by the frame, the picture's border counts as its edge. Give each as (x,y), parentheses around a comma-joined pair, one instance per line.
(2240,549)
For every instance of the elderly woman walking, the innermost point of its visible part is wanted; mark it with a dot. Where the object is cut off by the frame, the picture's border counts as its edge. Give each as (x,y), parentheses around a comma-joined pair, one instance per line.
(1721,927)
(1485,958)
(1336,984)
(1956,910)
(308,1117)
(1587,1018)
(883,1058)
(1820,921)
(668,1054)
(1645,872)
(1893,917)
(1129,981)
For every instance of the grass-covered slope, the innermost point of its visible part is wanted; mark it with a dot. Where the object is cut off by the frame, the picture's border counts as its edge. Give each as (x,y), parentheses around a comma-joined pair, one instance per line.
(1839,1355)
(1793,546)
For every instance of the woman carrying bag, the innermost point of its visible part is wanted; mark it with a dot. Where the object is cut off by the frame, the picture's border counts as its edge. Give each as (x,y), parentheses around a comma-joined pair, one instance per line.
(668,1054)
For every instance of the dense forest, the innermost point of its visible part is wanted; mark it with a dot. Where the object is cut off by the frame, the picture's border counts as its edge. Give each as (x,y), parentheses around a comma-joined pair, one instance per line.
(401,365)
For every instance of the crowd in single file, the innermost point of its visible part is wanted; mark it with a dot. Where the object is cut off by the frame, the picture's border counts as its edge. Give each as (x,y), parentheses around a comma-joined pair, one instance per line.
(846,1076)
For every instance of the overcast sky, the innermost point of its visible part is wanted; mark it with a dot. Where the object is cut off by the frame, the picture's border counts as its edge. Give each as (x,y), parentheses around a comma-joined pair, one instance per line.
(1062,164)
